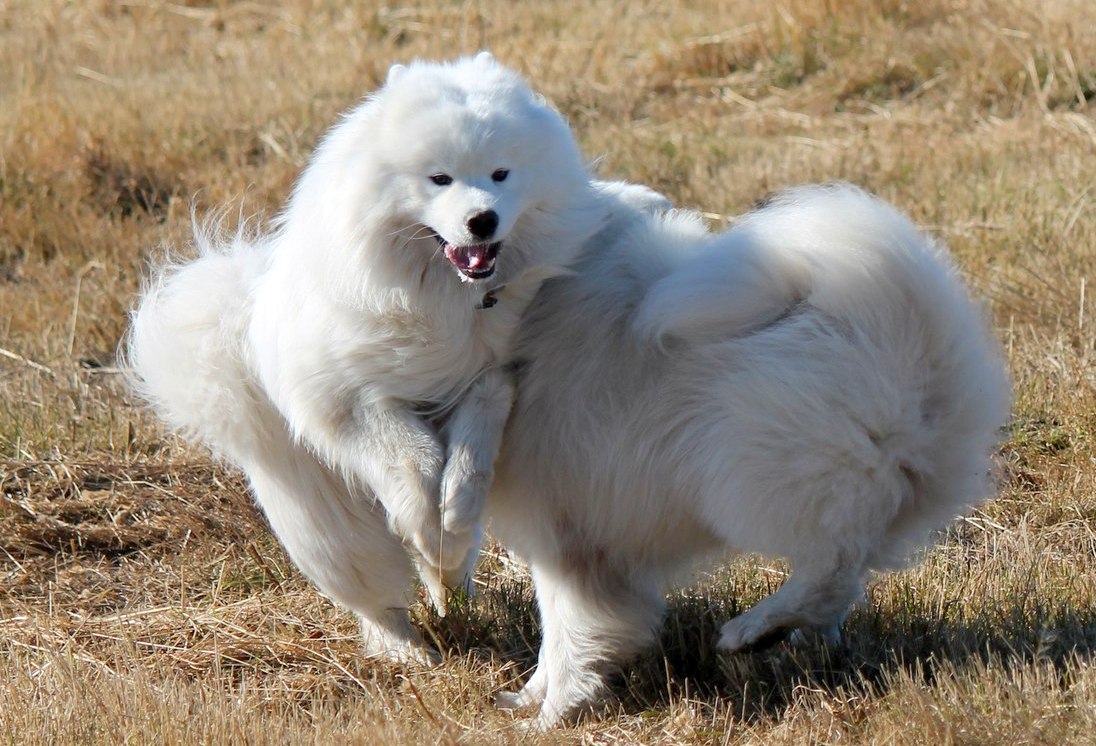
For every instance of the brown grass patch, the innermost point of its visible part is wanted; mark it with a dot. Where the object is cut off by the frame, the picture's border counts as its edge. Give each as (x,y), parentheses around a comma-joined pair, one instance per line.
(105,508)
(141,597)
(124,189)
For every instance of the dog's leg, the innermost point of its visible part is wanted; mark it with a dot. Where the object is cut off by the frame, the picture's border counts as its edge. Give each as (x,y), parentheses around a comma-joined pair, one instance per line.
(380,446)
(531,694)
(592,621)
(404,456)
(389,635)
(473,434)
(817,595)
(340,539)
(384,446)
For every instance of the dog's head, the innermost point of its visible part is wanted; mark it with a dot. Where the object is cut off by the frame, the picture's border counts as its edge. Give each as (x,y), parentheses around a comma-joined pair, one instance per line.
(463,164)
(479,160)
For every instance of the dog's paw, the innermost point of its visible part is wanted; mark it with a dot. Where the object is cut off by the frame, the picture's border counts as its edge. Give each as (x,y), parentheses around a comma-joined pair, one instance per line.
(828,636)
(518,700)
(444,550)
(749,633)
(411,656)
(445,588)
(508,701)
(532,726)
(463,491)
(396,644)
(458,581)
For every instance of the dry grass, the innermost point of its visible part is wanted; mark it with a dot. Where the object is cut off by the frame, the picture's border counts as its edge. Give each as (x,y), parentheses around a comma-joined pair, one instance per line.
(141,598)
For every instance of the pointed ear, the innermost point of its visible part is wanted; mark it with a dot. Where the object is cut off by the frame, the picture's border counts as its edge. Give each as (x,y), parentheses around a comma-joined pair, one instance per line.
(394,73)
(485,58)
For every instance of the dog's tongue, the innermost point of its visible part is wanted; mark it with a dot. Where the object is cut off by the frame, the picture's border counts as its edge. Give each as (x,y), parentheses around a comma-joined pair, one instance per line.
(478,256)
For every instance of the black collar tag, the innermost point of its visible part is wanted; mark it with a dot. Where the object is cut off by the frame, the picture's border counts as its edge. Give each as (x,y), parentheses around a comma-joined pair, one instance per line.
(490,298)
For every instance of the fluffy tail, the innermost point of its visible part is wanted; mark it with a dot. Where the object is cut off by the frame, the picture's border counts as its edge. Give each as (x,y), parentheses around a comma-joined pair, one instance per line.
(186,344)
(727,287)
(832,247)
(940,393)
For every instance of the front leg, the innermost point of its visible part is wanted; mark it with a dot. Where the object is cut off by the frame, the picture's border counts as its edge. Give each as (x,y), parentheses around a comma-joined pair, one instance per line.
(474,434)
(593,618)
(395,454)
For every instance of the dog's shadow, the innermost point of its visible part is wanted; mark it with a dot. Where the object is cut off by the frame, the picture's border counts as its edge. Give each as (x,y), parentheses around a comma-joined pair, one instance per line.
(883,641)
(881,644)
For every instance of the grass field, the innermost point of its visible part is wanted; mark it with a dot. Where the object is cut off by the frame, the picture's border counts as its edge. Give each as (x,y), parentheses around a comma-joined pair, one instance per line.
(142,599)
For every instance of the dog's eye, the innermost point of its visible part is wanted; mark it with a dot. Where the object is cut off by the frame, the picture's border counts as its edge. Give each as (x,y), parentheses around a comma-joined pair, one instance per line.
(442,179)
(500,174)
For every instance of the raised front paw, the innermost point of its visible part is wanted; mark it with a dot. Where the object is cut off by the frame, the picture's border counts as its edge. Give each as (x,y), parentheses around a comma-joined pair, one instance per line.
(463,491)
(444,550)
(443,584)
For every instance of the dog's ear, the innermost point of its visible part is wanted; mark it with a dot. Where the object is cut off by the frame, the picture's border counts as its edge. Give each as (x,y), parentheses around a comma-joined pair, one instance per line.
(394,73)
(485,58)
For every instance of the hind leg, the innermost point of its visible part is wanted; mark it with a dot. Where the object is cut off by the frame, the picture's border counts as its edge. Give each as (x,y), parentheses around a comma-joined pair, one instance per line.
(816,596)
(340,540)
(591,621)
(380,597)
(389,635)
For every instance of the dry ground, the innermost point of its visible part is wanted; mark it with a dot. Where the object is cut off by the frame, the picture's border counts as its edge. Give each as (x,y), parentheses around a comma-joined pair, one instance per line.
(141,597)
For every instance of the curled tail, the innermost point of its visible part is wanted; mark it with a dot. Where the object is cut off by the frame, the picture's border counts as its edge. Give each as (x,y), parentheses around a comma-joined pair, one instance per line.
(726,289)
(935,388)
(831,247)
(186,346)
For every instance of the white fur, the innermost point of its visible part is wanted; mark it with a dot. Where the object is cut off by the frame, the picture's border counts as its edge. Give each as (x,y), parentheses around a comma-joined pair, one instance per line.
(344,363)
(813,383)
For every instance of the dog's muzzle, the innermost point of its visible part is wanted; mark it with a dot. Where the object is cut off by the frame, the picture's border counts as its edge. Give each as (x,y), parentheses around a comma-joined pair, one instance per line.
(475,261)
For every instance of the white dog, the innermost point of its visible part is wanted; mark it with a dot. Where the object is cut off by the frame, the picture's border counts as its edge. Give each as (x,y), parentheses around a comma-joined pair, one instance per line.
(813,383)
(352,362)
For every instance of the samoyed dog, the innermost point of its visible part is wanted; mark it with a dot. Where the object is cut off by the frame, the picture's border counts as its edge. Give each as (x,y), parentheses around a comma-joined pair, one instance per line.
(814,383)
(353,361)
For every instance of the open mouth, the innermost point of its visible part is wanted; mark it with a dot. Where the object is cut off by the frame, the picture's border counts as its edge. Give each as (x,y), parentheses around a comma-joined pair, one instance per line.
(474,261)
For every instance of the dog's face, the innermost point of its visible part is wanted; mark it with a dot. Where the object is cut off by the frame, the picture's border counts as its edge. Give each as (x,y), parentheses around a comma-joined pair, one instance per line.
(475,160)
(470,208)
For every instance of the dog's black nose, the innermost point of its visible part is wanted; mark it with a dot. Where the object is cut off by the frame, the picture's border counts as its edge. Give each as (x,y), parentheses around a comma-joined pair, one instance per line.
(482,225)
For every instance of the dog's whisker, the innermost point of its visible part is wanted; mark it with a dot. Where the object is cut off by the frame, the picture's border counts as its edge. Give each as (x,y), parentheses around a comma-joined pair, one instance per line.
(418,231)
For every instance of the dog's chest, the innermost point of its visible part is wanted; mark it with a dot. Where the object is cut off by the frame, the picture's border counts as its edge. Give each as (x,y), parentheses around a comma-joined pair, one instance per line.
(434,357)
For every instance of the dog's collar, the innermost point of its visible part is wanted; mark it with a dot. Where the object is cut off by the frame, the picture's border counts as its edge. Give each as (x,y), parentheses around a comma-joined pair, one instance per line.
(490,298)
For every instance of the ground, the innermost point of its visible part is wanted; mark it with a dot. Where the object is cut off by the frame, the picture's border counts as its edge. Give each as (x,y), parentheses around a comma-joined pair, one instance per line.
(142,598)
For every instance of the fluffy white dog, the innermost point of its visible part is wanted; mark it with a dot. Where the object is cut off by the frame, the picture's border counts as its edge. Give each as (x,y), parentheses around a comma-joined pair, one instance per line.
(814,383)
(352,361)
